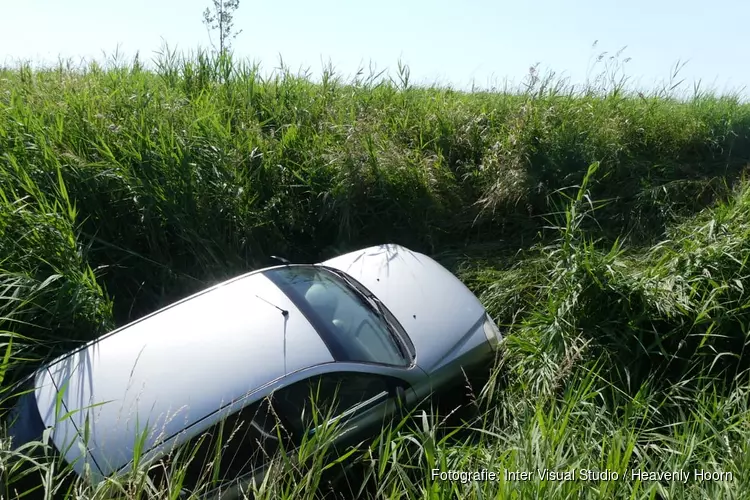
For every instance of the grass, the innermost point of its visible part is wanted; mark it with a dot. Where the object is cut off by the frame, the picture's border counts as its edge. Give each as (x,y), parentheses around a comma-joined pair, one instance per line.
(607,231)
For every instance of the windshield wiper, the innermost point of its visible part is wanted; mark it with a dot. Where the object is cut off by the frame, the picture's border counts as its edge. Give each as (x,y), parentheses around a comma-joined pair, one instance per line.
(380,308)
(372,301)
(377,306)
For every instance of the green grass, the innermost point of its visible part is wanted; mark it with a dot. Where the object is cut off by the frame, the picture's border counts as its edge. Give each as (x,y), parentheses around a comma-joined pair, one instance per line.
(608,231)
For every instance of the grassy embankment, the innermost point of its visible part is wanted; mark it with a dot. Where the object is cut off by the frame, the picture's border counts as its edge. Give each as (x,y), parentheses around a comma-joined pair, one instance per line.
(624,296)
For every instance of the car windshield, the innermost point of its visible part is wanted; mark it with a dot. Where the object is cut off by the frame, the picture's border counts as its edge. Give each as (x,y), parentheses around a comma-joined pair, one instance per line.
(347,320)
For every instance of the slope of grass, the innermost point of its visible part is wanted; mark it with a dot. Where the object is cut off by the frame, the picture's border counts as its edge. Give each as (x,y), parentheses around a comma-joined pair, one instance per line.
(179,179)
(606,231)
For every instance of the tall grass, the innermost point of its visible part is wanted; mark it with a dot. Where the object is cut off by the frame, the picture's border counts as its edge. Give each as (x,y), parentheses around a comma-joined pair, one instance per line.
(203,167)
(606,230)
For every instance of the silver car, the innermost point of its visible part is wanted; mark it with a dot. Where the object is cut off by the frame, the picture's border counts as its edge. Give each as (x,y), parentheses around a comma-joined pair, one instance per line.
(367,331)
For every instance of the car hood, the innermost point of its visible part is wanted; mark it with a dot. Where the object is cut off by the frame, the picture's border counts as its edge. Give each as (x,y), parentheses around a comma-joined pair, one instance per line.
(436,309)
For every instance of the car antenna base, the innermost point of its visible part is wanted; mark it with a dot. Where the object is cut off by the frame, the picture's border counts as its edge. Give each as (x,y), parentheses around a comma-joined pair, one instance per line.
(281,259)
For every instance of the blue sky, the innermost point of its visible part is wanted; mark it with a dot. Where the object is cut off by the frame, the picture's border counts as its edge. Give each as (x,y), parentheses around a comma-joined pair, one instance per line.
(448,42)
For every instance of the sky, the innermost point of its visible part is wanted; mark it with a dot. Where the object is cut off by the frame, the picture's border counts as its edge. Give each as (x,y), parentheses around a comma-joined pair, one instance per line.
(453,43)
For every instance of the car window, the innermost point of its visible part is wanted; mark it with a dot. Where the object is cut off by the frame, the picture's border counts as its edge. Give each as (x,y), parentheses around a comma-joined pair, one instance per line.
(349,325)
(239,444)
(313,401)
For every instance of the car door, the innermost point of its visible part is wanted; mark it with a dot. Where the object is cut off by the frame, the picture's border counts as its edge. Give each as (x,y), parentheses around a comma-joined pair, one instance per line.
(238,445)
(355,404)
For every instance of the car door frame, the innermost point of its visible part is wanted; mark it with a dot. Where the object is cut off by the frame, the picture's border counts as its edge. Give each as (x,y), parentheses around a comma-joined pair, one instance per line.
(358,419)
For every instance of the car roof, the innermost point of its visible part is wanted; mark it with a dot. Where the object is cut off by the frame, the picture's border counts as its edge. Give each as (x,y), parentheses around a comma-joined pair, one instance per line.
(174,369)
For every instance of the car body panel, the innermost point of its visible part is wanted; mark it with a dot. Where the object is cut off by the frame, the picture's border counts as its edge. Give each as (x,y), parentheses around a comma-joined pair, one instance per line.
(464,360)
(162,373)
(353,429)
(412,377)
(436,309)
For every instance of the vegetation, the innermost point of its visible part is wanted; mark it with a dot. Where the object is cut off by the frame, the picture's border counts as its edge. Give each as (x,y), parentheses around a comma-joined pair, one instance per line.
(219,17)
(607,231)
